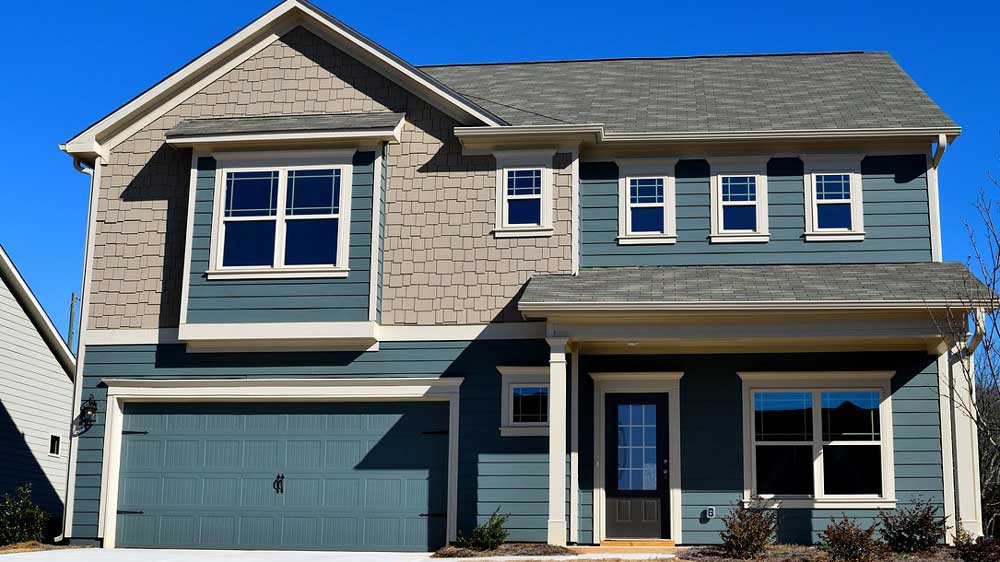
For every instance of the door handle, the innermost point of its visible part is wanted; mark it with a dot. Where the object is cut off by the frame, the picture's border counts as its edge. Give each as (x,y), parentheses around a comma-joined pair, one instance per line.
(279,484)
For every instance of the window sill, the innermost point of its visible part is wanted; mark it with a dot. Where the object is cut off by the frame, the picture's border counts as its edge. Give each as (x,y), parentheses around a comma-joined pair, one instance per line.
(272,273)
(824,503)
(524,431)
(635,239)
(819,236)
(532,232)
(739,237)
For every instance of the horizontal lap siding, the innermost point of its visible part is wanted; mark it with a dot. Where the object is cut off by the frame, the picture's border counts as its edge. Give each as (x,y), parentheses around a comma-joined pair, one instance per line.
(283,300)
(508,474)
(897,223)
(712,433)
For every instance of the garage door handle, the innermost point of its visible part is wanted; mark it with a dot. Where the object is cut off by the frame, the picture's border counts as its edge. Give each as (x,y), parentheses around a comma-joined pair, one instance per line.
(127,512)
(279,484)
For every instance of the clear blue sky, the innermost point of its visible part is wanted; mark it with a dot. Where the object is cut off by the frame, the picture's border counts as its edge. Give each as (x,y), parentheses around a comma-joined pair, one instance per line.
(73,63)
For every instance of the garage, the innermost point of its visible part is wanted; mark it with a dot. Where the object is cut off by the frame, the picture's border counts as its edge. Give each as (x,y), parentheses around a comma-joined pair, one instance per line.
(363,476)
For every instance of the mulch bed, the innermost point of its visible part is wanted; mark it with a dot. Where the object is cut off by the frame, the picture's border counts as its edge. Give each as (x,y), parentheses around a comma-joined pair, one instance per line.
(31,546)
(795,553)
(507,549)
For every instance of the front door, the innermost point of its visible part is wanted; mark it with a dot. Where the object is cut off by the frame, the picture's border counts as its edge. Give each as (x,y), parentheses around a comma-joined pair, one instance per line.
(636,479)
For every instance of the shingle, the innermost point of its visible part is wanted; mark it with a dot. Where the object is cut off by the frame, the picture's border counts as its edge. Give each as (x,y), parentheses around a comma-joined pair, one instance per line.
(949,282)
(853,90)
(283,124)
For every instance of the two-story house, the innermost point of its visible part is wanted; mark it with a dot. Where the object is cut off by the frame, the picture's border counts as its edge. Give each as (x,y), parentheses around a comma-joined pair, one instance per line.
(336,301)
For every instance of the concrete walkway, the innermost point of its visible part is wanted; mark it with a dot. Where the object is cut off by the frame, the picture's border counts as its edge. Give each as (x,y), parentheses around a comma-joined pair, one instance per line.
(143,555)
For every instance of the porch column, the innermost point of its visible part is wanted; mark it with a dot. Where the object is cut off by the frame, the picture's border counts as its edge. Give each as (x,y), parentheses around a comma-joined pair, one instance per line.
(965,444)
(557,441)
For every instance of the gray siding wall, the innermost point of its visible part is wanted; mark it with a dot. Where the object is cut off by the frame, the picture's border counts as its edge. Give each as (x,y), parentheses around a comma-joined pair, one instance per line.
(896,212)
(35,400)
(283,300)
(712,438)
(509,473)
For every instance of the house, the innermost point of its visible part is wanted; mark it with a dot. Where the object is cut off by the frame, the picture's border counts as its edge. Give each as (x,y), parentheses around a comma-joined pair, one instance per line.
(336,301)
(36,396)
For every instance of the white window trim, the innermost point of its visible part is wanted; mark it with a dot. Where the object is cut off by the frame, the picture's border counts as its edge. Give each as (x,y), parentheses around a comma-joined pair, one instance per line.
(58,453)
(519,377)
(818,382)
(644,168)
(741,166)
(281,161)
(512,160)
(833,164)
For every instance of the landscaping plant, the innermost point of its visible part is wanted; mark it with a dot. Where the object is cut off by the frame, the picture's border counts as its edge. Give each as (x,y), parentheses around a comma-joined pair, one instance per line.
(20,519)
(913,529)
(488,536)
(748,531)
(846,541)
(983,549)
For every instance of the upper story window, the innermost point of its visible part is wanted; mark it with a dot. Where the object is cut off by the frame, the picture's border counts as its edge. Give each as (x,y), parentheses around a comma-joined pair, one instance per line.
(833,198)
(524,401)
(647,212)
(739,200)
(282,217)
(524,193)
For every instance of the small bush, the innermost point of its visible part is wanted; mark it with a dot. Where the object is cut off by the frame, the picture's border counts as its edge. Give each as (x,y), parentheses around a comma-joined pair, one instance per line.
(748,531)
(976,550)
(488,536)
(846,541)
(912,529)
(20,519)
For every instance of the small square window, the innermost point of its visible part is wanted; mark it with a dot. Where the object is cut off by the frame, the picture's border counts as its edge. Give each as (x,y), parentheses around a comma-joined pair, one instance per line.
(524,401)
(530,404)
(54,445)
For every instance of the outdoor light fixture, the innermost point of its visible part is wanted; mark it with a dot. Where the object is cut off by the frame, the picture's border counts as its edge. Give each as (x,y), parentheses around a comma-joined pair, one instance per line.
(88,411)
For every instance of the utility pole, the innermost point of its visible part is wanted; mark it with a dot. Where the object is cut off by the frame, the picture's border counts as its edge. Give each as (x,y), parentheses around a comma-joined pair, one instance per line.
(72,319)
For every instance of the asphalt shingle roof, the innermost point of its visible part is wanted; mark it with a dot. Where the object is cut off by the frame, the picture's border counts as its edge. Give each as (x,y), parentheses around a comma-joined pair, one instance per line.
(851,90)
(948,282)
(284,124)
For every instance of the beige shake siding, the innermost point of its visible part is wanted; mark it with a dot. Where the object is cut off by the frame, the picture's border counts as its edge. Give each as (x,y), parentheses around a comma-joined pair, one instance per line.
(442,264)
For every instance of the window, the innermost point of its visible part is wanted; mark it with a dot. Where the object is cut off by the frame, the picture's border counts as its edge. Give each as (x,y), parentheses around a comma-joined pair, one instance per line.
(739,200)
(637,442)
(821,444)
(524,194)
(524,401)
(282,216)
(833,199)
(646,213)
(54,445)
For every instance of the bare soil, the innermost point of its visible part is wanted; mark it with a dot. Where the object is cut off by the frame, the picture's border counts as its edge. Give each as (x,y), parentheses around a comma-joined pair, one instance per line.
(506,549)
(31,546)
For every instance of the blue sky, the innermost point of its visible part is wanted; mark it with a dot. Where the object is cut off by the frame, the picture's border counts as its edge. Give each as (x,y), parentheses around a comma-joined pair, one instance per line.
(71,66)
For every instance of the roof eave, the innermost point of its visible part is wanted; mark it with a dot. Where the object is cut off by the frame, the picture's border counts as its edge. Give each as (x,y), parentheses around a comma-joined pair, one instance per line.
(555,307)
(391,135)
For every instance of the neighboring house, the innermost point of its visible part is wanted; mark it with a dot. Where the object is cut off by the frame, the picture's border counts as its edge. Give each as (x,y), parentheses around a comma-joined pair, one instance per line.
(36,396)
(336,301)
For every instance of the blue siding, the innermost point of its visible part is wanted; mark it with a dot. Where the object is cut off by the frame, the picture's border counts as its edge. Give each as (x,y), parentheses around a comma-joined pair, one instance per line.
(897,223)
(712,438)
(283,300)
(494,472)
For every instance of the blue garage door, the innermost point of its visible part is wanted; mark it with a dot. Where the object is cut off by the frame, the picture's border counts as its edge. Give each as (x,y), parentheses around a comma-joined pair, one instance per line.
(358,476)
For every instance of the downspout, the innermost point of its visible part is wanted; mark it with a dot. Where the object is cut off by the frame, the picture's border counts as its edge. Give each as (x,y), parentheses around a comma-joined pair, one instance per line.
(970,346)
(942,145)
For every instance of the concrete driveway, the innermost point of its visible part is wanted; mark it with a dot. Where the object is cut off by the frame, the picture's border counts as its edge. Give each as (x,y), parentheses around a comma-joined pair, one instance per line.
(143,555)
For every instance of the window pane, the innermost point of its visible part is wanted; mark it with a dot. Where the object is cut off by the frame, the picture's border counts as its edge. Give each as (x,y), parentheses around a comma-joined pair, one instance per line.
(647,219)
(251,194)
(783,416)
(742,217)
(850,416)
(524,211)
(531,404)
(524,182)
(249,243)
(313,192)
(784,470)
(311,242)
(637,446)
(852,469)
(646,190)
(833,186)
(833,215)
(739,188)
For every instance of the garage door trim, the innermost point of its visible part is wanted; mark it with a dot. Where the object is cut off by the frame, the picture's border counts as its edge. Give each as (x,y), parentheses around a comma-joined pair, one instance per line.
(122,391)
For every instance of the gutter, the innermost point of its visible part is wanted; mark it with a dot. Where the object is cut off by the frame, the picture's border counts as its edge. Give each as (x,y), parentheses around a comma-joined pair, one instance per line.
(681,306)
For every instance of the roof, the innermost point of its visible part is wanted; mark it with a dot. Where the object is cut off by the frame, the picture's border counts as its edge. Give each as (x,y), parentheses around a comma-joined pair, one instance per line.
(294,123)
(722,287)
(813,91)
(12,278)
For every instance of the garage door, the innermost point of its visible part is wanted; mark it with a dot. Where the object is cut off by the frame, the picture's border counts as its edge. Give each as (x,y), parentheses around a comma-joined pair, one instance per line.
(358,476)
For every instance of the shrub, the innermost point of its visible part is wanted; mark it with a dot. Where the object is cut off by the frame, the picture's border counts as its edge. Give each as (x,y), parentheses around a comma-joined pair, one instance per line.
(748,531)
(914,528)
(20,519)
(489,535)
(846,541)
(978,550)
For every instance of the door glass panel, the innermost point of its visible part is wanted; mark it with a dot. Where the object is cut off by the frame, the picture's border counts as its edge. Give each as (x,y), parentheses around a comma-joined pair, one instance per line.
(637,447)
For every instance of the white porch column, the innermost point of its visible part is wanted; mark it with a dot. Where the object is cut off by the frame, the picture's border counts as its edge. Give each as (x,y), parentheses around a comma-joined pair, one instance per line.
(557,441)
(965,444)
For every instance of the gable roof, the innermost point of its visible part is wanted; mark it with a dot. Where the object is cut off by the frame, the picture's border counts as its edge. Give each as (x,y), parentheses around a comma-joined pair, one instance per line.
(22,293)
(789,92)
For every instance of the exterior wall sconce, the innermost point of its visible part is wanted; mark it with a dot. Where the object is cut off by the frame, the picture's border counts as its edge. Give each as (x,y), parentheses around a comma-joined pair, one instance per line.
(88,412)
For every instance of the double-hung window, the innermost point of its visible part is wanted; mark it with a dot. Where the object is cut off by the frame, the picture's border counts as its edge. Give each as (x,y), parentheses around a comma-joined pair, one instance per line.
(524,197)
(813,444)
(286,218)
(647,205)
(524,401)
(524,193)
(739,200)
(834,209)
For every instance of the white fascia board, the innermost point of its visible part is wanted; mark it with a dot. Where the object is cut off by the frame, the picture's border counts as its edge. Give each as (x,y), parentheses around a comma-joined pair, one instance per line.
(277,139)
